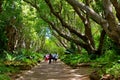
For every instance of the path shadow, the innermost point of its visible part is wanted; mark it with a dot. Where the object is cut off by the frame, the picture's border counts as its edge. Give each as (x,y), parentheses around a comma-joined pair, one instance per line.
(55,71)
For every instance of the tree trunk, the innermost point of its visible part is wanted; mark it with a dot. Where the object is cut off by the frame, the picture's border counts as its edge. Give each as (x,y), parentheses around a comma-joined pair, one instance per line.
(11,35)
(109,24)
(88,31)
(1,1)
(99,50)
(79,49)
(86,22)
(116,4)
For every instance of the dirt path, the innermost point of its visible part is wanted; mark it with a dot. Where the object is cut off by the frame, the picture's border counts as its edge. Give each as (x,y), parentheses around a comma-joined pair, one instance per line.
(55,71)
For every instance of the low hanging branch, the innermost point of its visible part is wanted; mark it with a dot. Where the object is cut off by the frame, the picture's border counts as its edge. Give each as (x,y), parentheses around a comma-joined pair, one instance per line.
(65,36)
(60,40)
(117,8)
(77,42)
(109,24)
(98,19)
(86,22)
(84,38)
(50,23)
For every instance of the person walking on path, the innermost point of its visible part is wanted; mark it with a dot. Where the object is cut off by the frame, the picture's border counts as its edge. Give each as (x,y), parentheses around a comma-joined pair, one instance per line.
(46,57)
(50,58)
(55,57)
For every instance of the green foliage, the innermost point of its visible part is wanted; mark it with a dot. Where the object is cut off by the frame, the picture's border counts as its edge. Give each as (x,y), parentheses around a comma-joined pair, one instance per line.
(114,70)
(13,62)
(4,77)
(72,49)
(110,45)
(33,32)
(51,47)
(28,56)
(74,59)
(84,58)
(118,1)
(97,6)
(3,38)
(10,15)
(109,56)
(108,62)
(6,69)
(10,57)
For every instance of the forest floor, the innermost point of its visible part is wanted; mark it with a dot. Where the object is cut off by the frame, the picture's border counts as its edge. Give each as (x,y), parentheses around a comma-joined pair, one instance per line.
(55,71)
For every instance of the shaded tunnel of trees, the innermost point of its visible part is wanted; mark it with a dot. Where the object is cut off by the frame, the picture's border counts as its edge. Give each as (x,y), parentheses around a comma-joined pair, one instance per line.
(73,26)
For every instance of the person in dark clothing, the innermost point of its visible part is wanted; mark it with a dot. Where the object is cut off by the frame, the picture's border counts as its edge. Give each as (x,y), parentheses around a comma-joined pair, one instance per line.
(50,57)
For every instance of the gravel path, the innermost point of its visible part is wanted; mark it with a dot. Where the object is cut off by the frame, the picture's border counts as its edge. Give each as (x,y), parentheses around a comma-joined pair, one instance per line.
(55,71)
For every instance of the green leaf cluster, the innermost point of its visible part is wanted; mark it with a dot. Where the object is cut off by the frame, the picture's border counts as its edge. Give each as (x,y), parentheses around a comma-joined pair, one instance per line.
(75,59)
(4,77)
(114,70)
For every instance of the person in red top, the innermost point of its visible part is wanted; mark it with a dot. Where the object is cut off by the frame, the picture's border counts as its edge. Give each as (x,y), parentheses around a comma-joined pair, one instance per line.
(46,57)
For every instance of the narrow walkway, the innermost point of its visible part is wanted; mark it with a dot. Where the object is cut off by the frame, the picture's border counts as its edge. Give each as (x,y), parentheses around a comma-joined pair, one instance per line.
(55,71)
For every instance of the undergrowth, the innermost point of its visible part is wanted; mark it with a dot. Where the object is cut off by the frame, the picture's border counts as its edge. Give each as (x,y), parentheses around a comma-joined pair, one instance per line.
(11,63)
(74,59)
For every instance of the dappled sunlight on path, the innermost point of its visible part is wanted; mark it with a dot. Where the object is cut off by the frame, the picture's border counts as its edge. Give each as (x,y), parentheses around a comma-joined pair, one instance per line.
(54,71)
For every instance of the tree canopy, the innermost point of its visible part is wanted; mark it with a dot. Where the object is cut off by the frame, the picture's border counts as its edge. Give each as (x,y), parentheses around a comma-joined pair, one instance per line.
(82,27)
(26,23)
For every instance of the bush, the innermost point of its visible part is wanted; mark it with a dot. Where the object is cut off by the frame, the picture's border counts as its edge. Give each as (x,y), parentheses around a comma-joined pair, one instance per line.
(84,58)
(6,69)
(4,77)
(28,56)
(108,63)
(109,56)
(114,70)
(74,59)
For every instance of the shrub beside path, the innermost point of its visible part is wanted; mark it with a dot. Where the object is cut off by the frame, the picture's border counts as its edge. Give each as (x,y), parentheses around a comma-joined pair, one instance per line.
(55,71)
